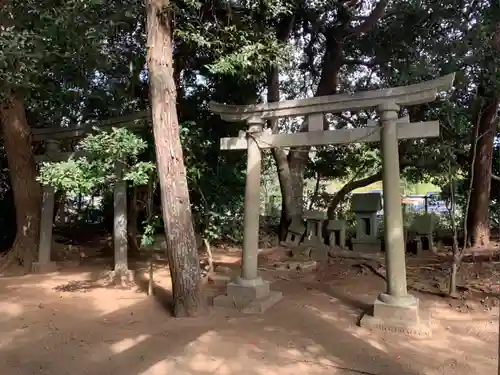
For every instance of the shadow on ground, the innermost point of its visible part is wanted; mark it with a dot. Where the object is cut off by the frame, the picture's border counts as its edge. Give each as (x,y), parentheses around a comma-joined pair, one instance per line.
(46,330)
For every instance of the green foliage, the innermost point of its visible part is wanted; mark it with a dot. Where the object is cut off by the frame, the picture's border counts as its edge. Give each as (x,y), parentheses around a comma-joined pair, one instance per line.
(80,60)
(150,229)
(235,36)
(96,172)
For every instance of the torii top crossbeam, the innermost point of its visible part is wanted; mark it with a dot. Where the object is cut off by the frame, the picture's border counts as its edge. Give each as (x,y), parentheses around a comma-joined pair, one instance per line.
(418,93)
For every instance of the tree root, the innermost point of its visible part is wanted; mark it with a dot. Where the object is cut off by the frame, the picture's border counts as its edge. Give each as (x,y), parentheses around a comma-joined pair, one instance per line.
(19,254)
(210,256)
(12,256)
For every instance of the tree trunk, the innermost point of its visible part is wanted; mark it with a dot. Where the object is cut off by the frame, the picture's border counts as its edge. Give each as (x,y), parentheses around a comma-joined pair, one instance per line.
(288,205)
(59,199)
(22,168)
(348,188)
(478,218)
(299,156)
(133,232)
(180,237)
(332,62)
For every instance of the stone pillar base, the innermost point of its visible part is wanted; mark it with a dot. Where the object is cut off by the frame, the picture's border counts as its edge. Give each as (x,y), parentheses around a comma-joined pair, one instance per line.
(121,277)
(366,245)
(398,316)
(249,296)
(46,267)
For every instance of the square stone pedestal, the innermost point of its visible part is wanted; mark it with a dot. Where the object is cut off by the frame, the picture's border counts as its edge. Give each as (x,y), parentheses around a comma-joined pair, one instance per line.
(403,317)
(121,277)
(366,245)
(251,298)
(46,267)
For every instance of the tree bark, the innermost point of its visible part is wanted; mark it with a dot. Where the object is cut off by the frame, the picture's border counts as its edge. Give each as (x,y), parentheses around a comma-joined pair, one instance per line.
(485,126)
(22,168)
(288,207)
(180,237)
(478,218)
(133,231)
(348,188)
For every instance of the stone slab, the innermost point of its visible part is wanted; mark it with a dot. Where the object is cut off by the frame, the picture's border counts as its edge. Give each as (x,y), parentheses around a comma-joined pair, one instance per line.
(301,252)
(421,329)
(49,267)
(256,306)
(424,224)
(239,292)
(336,225)
(398,315)
(295,265)
(366,202)
(320,254)
(218,279)
(315,215)
(389,312)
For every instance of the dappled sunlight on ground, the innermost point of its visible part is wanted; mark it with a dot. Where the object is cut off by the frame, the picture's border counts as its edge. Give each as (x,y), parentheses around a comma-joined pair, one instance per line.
(71,323)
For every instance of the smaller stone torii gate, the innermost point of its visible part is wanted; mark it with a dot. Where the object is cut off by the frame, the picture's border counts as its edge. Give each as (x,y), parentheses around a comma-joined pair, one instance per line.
(394,310)
(52,139)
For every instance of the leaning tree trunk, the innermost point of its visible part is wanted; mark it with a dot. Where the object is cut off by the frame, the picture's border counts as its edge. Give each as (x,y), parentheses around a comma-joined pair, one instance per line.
(180,237)
(478,213)
(27,192)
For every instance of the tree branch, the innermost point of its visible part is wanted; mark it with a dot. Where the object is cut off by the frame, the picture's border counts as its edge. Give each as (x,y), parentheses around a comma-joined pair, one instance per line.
(494,177)
(370,21)
(369,64)
(350,186)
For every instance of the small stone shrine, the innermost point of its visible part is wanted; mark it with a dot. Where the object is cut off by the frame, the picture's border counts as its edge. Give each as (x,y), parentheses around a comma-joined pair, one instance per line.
(314,227)
(314,234)
(423,227)
(294,234)
(336,234)
(365,207)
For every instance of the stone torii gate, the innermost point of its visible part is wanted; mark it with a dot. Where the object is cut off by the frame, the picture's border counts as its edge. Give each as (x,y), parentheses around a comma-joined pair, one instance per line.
(394,310)
(52,139)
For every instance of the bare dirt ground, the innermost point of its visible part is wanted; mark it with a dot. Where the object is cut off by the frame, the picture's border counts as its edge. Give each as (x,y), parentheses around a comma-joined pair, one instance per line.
(68,322)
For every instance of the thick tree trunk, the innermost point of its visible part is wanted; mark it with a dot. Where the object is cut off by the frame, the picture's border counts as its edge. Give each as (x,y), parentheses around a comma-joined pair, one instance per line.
(478,217)
(298,157)
(332,62)
(22,168)
(180,237)
(288,205)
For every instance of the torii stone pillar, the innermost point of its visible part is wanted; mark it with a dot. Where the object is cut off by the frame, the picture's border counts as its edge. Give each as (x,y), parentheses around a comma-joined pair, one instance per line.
(120,241)
(249,291)
(44,264)
(395,310)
